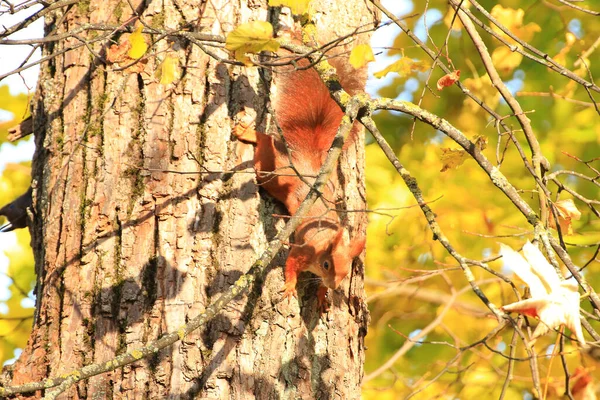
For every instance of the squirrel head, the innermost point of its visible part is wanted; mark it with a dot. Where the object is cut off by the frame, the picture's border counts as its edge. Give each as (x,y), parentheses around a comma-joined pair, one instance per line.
(328,254)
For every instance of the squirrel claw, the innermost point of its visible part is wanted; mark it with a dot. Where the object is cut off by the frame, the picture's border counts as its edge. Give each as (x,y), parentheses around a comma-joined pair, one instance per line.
(244,131)
(290,291)
(322,299)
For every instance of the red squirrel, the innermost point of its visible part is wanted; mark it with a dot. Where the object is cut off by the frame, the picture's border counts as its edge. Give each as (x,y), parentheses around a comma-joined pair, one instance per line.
(309,119)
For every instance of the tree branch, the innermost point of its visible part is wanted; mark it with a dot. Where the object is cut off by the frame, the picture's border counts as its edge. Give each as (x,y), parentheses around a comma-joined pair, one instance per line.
(536,153)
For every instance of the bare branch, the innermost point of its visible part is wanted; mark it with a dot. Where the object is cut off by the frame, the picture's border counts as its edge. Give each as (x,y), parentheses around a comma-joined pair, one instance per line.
(543,59)
(536,154)
(576,7)
(28,21)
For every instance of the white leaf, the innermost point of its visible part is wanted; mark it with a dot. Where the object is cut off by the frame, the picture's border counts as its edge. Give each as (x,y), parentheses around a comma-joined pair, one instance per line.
(523,269)
(555,304)
(541,266)
(572,317)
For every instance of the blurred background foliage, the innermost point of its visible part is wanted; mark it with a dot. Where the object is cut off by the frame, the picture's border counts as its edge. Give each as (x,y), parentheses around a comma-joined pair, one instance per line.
(410,277)
(411,280)
(17,276)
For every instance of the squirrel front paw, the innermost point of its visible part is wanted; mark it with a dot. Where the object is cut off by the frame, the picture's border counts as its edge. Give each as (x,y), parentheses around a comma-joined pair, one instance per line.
(289,290)
(244,128)
(323,303)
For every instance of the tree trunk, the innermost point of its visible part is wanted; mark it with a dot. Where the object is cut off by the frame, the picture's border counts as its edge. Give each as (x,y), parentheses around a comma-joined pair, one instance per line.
(137,228)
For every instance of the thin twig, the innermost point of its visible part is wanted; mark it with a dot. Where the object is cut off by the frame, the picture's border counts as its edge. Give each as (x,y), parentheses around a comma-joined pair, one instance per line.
(576,7)
(536,153)
(439,235)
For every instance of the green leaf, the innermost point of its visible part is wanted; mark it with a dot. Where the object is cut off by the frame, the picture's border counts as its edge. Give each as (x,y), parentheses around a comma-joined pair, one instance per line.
(251,37)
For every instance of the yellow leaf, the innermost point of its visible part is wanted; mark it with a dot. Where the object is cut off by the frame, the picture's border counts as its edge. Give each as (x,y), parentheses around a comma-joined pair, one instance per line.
(482,87)
(361,55)
(505,60)
(513,20)
(138,43)
(404,67)
(297,6)
(452,158)
(241,56)
(567,211)
(169,69)
(251,37)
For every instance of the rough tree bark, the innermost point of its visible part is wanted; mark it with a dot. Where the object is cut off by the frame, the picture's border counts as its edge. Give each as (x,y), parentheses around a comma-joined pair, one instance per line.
(126,250)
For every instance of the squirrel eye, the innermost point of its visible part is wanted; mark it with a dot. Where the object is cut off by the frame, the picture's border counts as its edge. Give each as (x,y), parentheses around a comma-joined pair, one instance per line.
(326,265)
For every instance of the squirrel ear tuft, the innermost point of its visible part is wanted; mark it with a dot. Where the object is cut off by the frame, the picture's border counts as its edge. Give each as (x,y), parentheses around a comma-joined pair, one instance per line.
(357,245)
(339,237)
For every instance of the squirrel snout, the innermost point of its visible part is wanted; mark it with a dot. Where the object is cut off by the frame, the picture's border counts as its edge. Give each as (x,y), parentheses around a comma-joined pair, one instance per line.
(337,281)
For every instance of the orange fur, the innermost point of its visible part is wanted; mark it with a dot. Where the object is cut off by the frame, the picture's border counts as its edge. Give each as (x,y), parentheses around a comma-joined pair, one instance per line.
(309,119)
